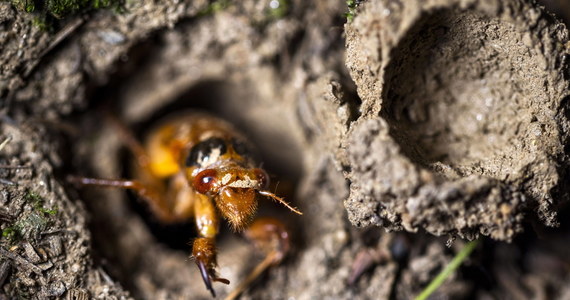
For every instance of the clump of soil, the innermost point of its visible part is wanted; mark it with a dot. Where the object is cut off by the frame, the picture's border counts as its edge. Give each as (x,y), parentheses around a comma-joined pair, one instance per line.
(464,118)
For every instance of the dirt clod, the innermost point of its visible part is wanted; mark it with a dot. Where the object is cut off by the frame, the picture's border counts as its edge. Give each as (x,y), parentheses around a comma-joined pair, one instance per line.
(463,121)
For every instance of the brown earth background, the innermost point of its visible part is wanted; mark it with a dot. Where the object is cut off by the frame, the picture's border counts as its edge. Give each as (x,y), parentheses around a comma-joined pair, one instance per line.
(401,133)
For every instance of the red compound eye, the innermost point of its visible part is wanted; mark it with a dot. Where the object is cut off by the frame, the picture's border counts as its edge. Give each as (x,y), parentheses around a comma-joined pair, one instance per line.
(263,178)
(205,181)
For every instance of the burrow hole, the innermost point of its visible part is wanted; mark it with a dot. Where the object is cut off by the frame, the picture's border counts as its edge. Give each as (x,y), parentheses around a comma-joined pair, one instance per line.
(462,90)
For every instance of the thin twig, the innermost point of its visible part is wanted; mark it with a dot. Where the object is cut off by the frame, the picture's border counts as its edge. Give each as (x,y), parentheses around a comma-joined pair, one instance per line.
(5,142)
(20,261)
(59,37)
(30,67)
(6,182)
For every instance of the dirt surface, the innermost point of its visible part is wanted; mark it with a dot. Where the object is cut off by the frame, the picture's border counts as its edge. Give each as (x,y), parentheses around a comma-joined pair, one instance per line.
(447,117)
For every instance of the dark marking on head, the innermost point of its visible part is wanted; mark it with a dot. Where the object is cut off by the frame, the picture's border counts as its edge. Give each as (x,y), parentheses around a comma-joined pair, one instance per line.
(241,147)
(202,151)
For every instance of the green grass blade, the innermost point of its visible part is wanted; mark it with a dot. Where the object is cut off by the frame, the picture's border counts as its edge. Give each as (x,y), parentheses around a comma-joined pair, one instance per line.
(448,270)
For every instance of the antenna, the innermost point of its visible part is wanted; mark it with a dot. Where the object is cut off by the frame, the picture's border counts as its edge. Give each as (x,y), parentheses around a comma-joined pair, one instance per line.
(274,197)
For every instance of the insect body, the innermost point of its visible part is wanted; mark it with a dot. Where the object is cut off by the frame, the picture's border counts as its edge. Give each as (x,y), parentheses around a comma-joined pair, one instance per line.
(198,166)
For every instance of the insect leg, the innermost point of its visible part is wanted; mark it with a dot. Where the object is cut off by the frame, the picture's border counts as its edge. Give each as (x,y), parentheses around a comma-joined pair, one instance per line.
(130,141)
(204,248)
(270,236)
(152,195)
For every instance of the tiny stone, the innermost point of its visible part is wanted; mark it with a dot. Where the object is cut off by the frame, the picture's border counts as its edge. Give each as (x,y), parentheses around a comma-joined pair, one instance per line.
(112,37)
(57,289)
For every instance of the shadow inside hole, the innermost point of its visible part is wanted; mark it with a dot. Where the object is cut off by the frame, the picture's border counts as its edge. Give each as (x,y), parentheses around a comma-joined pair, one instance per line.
(236,102)
(267,127)
(233,103)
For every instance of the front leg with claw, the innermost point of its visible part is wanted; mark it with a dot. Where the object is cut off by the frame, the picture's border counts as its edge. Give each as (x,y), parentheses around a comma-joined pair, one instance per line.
(204,247)
(204,254)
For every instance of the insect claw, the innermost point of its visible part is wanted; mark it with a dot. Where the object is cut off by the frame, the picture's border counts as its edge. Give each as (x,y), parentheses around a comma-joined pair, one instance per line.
(206,277)
(221,280)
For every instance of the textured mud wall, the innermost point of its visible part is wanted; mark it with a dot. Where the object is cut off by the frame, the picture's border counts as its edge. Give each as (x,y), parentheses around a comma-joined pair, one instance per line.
(45,245)
(456,125)
(464,116)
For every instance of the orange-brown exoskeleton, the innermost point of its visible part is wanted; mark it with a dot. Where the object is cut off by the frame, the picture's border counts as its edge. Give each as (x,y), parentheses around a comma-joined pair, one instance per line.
(197,166)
